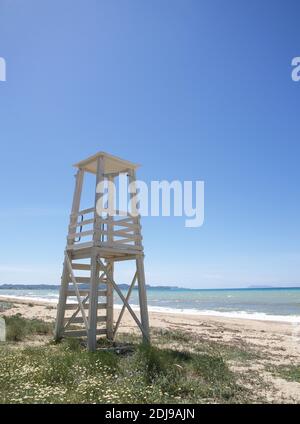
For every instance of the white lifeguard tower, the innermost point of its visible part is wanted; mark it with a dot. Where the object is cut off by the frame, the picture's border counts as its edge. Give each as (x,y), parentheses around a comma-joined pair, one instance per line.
(95,242)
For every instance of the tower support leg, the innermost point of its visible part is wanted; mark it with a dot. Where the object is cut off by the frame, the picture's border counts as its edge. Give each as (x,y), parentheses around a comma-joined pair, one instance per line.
(93,304)
(143,298)
(61,303)
(110,305)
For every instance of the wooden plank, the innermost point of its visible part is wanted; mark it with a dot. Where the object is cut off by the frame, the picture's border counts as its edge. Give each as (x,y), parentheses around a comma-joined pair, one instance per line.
(75,204)
(84,292)
(87,280)
(128,239)
(127,257)
(128,220)
(82,234)
(127,225)
(79,246)
(120,223)
(83,280)
(79,320)
(73,306)
(82,267)
(85,211)
(124,232)
(125,248)
(123,242)
(120,233)
(82,223)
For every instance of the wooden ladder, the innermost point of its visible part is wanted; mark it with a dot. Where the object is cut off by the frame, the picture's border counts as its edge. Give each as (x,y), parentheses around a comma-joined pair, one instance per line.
(75,319)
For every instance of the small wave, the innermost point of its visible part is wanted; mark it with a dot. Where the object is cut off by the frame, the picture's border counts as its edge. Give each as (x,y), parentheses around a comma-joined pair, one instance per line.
(52,299)
(258,316)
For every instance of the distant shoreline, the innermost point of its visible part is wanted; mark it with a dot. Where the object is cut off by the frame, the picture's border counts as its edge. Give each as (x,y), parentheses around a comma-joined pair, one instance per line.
(18,286)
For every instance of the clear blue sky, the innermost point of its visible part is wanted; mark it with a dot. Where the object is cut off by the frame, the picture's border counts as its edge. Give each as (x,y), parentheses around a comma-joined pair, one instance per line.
(190,89)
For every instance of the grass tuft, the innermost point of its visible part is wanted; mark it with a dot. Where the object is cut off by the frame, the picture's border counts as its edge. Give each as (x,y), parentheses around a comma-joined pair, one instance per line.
(18,328)
(4,306)
(288,372)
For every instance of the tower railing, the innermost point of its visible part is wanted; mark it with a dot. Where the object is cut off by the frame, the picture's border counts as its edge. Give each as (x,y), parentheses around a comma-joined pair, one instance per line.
(121,230)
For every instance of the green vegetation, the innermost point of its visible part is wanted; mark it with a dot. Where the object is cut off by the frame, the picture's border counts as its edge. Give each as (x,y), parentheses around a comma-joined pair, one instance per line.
(236,352)
(5,305)
(18,328)
(288,372)
(66,373)
(178,367)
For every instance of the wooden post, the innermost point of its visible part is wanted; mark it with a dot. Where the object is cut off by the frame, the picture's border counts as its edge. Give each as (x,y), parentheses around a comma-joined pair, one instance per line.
(110,209)
(65,275)
(140,271)
(143,297)
(110,304)
(61,303)
(98,198)
(93,303)
(109,287)
(94,281)
(76,204)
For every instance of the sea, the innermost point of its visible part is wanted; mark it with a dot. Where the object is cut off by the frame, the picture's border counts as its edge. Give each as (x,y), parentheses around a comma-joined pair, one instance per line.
(268,304)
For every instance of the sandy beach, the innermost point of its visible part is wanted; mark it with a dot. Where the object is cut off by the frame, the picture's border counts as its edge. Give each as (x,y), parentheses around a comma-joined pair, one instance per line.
(276,343)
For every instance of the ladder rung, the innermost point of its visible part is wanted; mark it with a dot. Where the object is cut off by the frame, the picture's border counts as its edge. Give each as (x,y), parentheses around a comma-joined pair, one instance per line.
(84,267)
(73,306)
(87,280)
(79,320)
(86,292)
(82,333)
(83,280)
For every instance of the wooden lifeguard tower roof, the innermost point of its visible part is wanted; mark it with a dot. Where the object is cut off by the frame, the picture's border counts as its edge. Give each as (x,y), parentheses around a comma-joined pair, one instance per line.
(112,164)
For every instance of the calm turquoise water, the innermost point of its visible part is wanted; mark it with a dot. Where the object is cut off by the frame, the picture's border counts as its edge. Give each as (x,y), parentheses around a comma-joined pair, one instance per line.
(266,304)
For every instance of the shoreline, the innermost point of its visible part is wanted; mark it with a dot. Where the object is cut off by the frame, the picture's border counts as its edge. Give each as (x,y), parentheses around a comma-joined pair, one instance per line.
(234,315)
